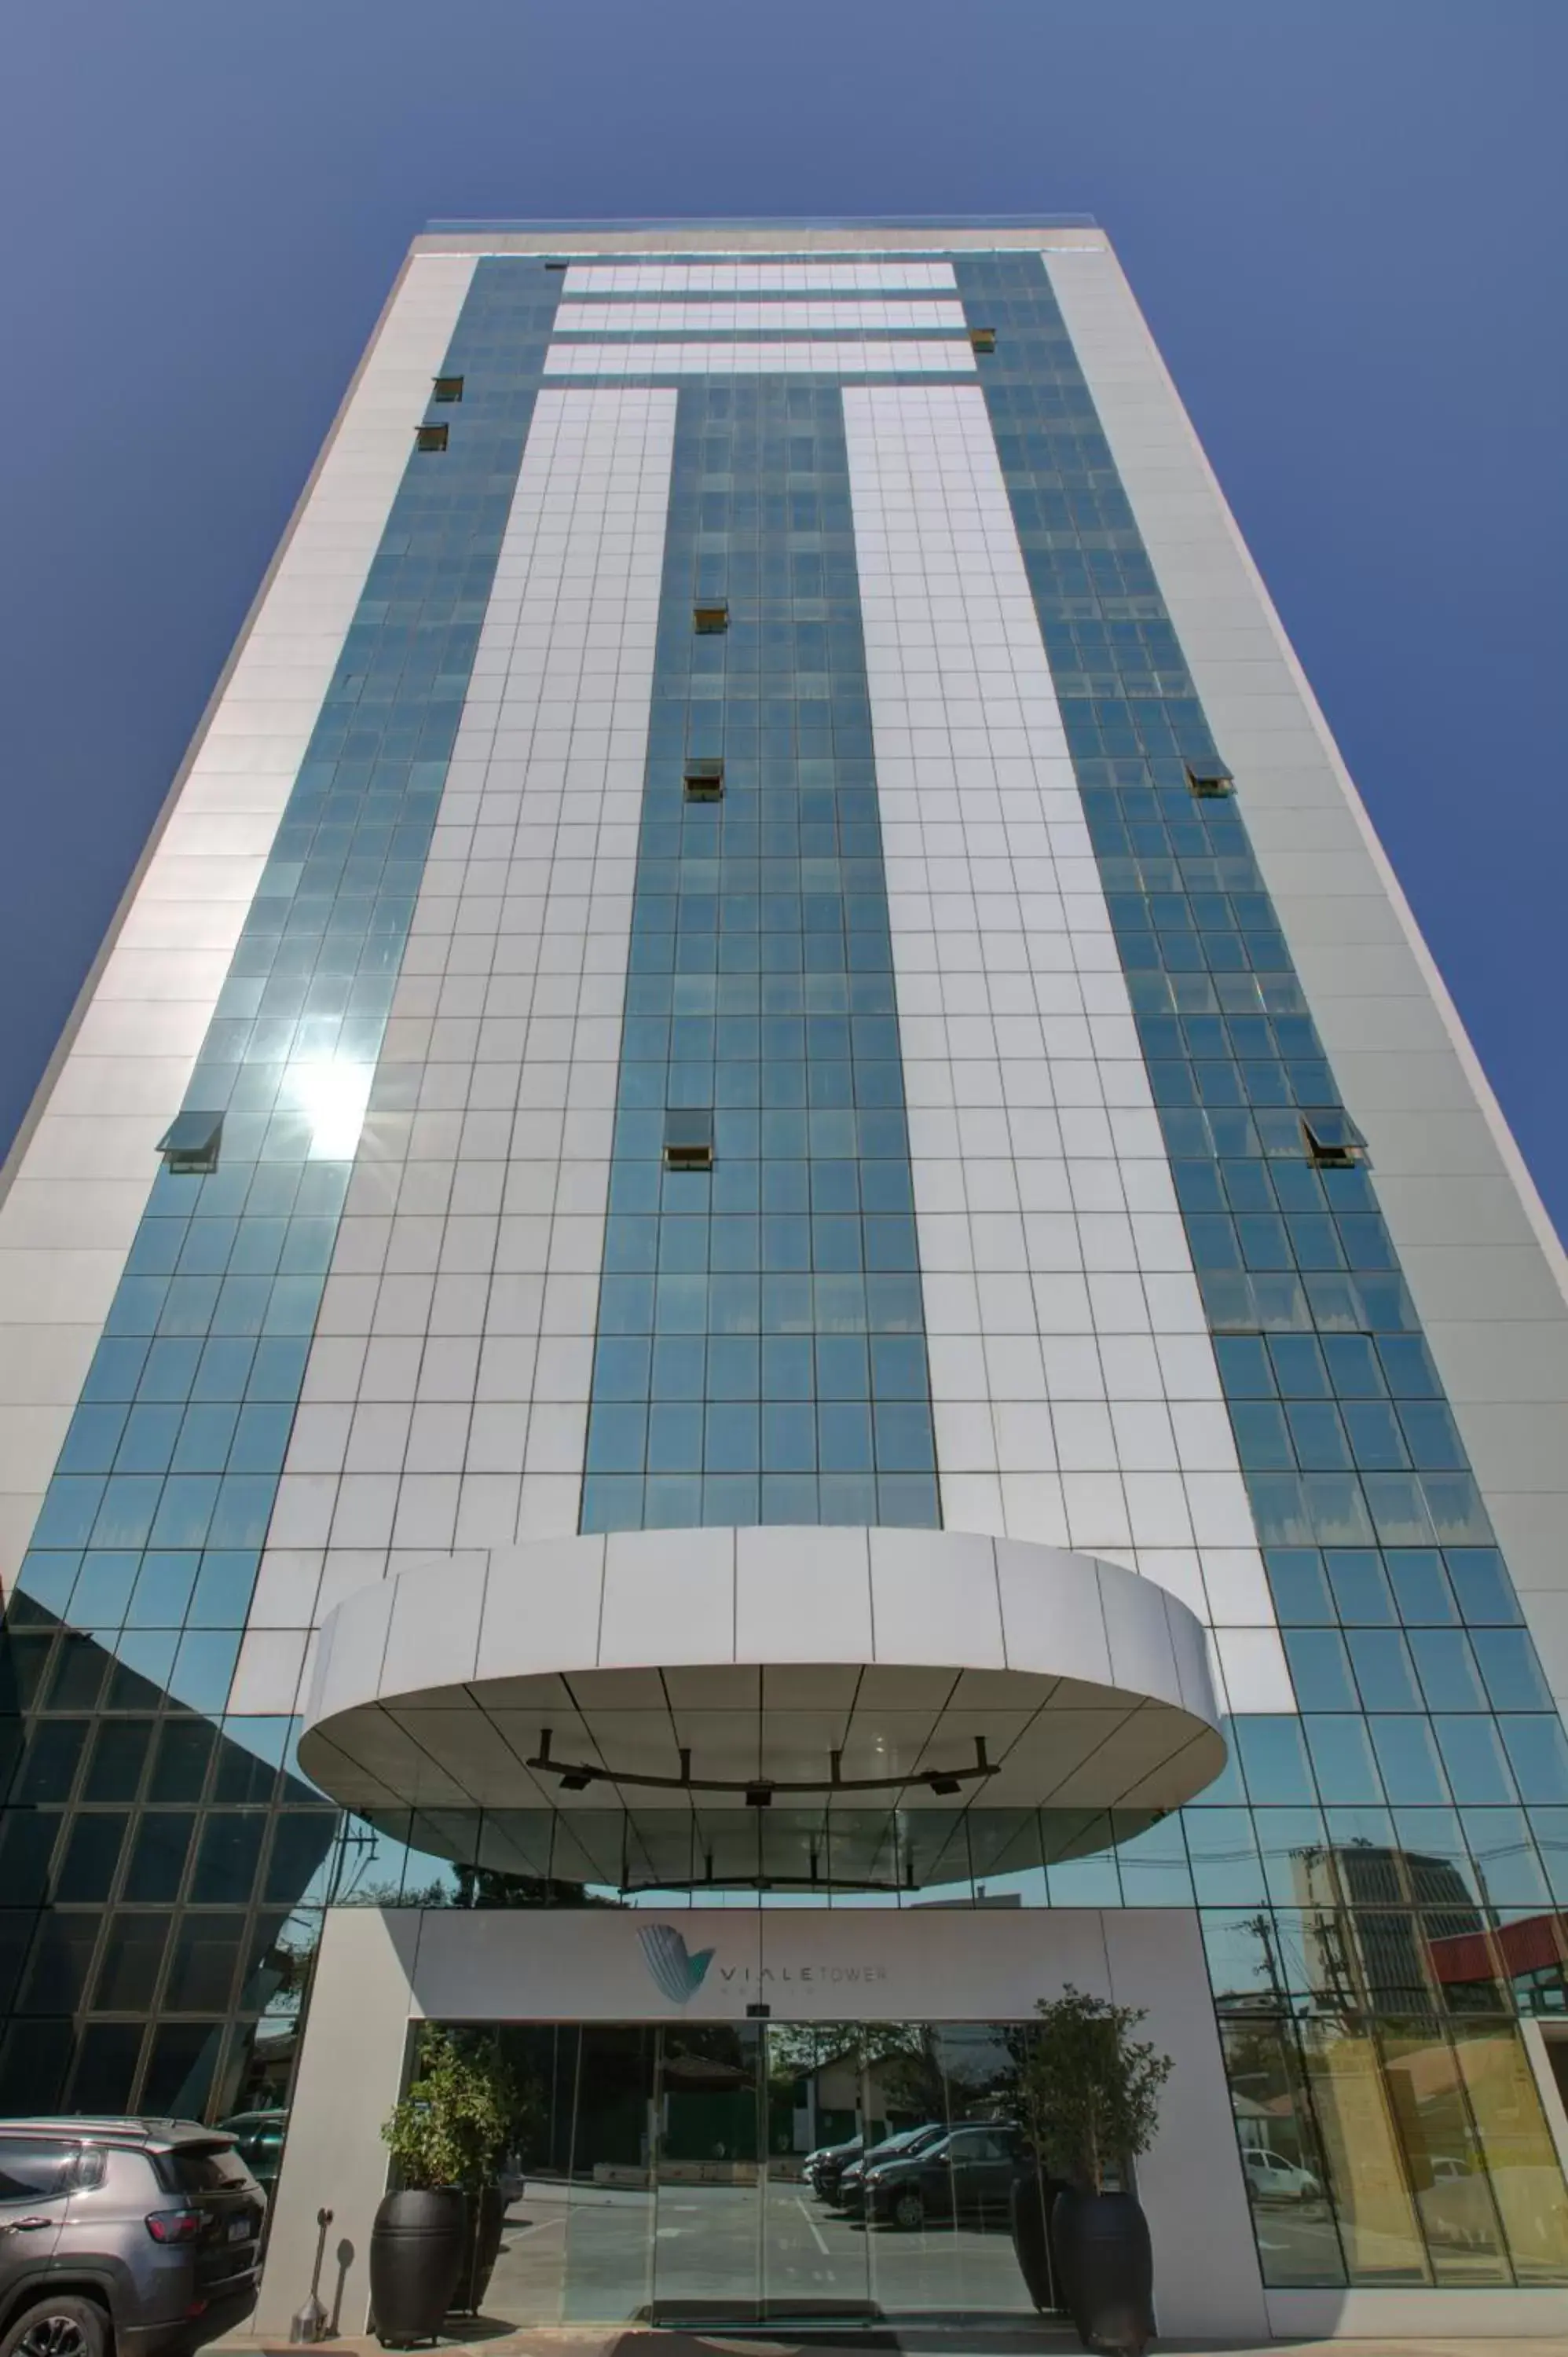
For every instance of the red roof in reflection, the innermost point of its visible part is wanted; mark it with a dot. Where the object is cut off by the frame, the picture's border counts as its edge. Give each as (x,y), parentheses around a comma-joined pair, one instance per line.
(1534,1945)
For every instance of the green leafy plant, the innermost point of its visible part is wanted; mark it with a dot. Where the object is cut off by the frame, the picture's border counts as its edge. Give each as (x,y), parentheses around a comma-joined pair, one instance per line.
(1089,2091)
(458,2114)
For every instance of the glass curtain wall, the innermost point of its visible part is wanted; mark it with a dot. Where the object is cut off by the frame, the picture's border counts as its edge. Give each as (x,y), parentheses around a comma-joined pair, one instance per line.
(677,2174)
(761,1344)
(1397,2151)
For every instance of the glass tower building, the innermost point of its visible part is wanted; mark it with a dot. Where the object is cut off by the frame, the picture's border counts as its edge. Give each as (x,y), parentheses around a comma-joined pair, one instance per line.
(764,1300)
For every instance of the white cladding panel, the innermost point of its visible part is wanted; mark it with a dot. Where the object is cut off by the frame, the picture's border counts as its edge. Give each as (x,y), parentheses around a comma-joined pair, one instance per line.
(1076,1394)
(676,316)
(757,277)
(913,356)
(445,1398)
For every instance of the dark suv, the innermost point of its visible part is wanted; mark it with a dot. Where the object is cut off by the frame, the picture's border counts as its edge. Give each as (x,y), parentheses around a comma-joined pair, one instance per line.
(139,2235)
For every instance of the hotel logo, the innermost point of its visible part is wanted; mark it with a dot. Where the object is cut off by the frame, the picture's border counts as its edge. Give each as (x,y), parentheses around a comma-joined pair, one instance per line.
(676,1973)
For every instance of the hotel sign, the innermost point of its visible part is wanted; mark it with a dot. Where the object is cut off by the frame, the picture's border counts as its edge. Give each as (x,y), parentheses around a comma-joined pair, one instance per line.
(678,1973)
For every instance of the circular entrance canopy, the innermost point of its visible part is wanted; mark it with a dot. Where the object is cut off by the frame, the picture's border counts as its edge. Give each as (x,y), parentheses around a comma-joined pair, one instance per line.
(806,1670)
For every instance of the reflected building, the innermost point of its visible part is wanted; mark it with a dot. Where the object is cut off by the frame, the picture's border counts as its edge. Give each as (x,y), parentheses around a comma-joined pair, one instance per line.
(1372,1921)
(765,1298)
(235,1964)
(1531,1952)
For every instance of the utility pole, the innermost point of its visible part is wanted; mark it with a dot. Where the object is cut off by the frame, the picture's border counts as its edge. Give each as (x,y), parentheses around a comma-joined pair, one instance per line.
(1262,1925)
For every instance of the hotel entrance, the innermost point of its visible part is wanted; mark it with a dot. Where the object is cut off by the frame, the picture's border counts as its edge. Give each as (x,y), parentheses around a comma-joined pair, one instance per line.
(710,2173)
(666,2151)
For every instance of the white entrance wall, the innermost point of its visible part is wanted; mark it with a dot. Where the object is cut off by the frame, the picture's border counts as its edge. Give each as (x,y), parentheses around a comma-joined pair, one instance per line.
(377,1970)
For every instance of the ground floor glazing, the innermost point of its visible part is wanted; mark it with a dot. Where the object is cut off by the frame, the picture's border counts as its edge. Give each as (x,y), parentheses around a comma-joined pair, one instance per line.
(663,2172)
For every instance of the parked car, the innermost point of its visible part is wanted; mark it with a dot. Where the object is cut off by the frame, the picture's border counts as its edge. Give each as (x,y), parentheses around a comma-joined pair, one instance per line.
(827,2164)
(1455,2204)
(966,2174)
(1272,2178)
(258,2138)
(906,2143)
(139,2235)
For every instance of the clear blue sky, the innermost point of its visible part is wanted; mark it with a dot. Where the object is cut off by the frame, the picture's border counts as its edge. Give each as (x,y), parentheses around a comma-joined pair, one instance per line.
(1345,220)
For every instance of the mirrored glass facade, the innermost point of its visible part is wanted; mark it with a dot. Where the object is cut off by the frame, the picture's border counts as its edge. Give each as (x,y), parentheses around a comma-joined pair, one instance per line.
(761,1004)
(761,1345)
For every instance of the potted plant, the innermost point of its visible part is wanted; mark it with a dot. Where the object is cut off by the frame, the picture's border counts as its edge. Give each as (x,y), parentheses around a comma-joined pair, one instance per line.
(1090,2092)
(436,2238)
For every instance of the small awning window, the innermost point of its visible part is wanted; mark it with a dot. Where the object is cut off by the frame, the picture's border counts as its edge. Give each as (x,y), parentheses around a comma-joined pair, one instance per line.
(189,1144)
(448,388)
(710,615)
(1210,778)
(704,782)
(430,437)
(689,1138)
(1332,1138)
(983,340)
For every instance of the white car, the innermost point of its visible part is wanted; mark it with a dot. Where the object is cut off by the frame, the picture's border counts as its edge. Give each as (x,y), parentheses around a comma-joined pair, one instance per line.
(1272,2178)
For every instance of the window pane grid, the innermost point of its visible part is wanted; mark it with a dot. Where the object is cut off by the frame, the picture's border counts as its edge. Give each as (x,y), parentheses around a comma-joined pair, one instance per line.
(760,1352)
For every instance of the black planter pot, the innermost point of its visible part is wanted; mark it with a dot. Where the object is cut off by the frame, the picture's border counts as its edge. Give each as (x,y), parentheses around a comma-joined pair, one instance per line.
(1058,2241)
(416,2254)
(481,2248)
(1106,2270)
(1029,2202)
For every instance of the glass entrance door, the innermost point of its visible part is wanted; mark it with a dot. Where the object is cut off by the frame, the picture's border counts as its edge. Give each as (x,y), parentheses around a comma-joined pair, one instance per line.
(739,2235)
(709,2169)
(660,2173)
(814,2258)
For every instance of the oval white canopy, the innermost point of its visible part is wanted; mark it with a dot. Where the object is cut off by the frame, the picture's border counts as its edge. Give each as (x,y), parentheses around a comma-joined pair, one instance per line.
(674,1668)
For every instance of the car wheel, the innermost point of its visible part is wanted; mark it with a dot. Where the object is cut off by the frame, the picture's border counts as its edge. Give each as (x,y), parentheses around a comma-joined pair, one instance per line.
(910,2208)
(58,2327)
